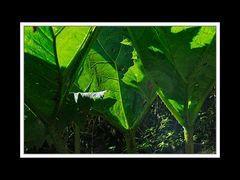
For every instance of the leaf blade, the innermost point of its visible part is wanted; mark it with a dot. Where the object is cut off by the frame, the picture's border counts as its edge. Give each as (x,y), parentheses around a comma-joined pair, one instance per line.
(173,71)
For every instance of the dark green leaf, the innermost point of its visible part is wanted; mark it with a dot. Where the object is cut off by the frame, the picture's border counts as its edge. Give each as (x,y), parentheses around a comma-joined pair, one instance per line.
(184,75)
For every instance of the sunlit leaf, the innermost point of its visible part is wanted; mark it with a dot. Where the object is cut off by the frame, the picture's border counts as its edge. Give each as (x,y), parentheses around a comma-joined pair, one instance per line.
(177,29)
(52,59)
(109,66)
(204,37)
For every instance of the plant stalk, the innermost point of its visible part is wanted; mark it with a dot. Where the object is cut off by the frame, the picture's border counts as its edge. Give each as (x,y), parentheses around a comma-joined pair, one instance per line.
(57,140)
(76,139)
(189,144)
(130,139)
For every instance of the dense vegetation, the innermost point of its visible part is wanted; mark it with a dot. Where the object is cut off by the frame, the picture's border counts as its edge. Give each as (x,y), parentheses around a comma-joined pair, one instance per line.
(158,133)
(119,89)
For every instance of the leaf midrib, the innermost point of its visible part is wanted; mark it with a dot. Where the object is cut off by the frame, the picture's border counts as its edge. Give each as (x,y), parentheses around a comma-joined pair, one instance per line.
(44,48)
(119,86)
(194,72)
(193,75)
(171,62)
(169,105)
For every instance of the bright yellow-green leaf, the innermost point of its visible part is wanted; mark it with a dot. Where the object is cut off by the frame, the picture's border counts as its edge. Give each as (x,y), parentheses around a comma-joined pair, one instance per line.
(177,29)
(204,37)
(52,59)
(69,41)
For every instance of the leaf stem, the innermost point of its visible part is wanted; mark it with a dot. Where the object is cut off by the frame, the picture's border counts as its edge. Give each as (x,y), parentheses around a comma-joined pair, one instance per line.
(76,139)
(57,140)
(188,136)
(130,139)
(55,51)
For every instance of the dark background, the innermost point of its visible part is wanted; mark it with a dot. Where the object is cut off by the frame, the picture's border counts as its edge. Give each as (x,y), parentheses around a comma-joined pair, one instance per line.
(150,12)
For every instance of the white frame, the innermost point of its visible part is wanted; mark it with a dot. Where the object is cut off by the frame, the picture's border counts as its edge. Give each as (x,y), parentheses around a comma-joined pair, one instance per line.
(22,155)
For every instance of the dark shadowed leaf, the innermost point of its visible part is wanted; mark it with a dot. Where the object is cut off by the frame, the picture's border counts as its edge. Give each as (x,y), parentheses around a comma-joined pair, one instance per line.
(185,72)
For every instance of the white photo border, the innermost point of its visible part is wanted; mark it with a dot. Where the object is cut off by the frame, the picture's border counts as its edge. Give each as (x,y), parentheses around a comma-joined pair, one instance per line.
(23,155)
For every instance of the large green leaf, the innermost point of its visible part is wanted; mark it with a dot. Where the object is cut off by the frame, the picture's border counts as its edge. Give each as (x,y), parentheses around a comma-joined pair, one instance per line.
(35,131)
(40,86)
(47,59)
(52,59)
(182,63)
(109,66)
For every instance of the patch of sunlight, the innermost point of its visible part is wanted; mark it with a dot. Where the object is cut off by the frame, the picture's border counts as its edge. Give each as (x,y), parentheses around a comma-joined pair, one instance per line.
(134,54)
(178,107)
(204,36)
(134,75)
(154,49)
(177,29)
(189,103)
(126,42)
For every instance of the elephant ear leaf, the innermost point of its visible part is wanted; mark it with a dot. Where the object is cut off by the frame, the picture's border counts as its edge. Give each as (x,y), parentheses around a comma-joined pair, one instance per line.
(52,59)
(109,67)
(182,63)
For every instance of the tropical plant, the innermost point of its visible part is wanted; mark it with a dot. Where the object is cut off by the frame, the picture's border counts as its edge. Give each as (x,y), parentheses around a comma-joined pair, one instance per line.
(52,58)
(112,66)
(116,72)
(182,63)
(160,132)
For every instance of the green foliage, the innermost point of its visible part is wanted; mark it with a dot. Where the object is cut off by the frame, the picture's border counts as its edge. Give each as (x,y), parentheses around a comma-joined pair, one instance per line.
(33,124)
(161,140)
(204,37)
(205,128)
(184,73)
(66,68)
(109,66)
(97,136)
(50,69)
(177,29)
(160,132)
